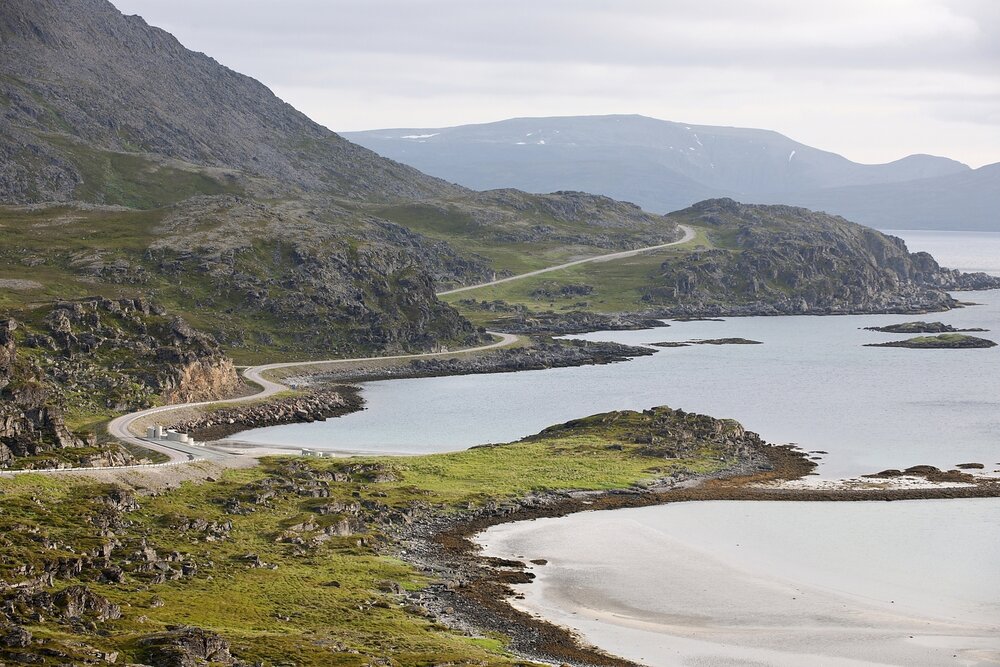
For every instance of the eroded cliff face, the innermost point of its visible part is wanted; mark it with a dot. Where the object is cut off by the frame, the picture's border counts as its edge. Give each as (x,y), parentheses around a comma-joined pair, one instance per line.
(83,360)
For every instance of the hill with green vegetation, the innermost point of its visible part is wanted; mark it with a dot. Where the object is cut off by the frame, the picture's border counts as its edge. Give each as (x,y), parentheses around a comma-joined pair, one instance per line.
(945,341)
(745,259)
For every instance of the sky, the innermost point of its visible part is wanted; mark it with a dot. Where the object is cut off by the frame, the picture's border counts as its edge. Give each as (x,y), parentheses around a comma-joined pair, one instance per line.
(873,80)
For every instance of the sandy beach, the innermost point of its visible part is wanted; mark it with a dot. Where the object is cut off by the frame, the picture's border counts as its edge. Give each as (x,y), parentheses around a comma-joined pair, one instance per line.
(688,596)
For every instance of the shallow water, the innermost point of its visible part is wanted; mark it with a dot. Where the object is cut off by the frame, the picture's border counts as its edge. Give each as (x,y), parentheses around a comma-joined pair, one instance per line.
(811,382)
(726,582)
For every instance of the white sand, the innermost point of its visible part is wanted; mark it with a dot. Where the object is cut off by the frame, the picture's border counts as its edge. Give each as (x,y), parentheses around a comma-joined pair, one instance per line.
(626,585)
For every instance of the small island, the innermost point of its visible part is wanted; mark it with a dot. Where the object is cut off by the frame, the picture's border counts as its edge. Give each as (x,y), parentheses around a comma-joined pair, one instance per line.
(708,341)
(920,327)
(948,341)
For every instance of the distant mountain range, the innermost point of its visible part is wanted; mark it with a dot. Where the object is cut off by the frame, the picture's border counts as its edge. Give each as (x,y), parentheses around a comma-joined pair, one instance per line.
(664,166)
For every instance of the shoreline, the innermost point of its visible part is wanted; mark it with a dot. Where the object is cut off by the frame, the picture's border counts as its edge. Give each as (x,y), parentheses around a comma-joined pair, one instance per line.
(478,594)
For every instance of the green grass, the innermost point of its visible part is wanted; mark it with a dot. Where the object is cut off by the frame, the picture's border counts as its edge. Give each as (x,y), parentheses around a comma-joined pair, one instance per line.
(133,180)
(619,285)
(315,606)
(450,223)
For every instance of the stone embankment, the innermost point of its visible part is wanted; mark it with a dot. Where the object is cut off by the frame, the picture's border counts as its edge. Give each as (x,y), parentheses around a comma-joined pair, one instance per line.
(314,405)
(536,357)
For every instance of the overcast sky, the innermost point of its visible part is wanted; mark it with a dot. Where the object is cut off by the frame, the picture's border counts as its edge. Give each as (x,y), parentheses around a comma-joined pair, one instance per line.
(871,79)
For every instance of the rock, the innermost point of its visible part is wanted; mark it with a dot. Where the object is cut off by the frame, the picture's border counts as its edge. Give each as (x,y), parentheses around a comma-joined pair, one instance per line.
(78,601)
(708,341)
(314,405)
(186,647)
(14,636)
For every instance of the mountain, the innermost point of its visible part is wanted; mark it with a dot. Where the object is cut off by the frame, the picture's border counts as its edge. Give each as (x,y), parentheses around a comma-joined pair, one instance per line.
(968,200)
(148,168)
(78,77)
(664,166)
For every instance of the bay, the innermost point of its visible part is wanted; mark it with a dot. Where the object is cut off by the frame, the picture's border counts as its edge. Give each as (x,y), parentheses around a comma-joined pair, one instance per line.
(811,382)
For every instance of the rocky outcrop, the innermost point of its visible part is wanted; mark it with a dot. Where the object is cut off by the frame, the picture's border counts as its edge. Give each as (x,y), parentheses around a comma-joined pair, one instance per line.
(515,318)
(30,421)
(74,603)
(786,260)
(98,355)
(186,647)
(8,351)
(664,432)
(127,342)
(538,356)
(919,327)
(707,341)
(940,342)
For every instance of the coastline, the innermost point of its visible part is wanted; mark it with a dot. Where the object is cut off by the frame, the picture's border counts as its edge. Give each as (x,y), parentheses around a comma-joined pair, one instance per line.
(477,594)
(782,584)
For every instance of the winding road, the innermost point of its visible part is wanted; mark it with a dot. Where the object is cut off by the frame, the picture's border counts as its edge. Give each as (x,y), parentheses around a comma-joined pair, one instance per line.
(177,452)
(688,236)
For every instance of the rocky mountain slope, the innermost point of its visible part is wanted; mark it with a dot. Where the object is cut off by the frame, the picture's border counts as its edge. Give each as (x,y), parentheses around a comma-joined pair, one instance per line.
(65,367)
(78,77)
(664,166)
(255,223)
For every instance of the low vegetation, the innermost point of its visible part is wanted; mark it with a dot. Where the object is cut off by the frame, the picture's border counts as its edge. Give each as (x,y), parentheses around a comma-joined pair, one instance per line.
(292,562)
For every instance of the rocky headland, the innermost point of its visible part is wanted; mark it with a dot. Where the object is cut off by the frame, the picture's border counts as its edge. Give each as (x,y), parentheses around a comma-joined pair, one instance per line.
(783,260)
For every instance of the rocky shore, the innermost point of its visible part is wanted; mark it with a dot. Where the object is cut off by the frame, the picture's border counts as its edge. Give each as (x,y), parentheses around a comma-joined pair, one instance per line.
(538,356)
(316,404)
(473,592)
(708,341)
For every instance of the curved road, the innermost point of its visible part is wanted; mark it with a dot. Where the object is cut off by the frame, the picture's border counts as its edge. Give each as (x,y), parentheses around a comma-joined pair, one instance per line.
(177,452)
(688,235)
(120,427)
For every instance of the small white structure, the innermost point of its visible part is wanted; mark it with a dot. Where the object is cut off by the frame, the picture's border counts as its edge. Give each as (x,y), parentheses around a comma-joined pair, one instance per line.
(171,435)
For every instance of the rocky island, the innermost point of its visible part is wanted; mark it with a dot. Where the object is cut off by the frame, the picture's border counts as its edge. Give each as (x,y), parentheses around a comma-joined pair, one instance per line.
(950,341)
(920,327)
(708,341)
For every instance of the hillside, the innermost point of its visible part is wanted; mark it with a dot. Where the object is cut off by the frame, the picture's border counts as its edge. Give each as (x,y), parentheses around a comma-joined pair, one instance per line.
(80,83)
(143,168)
(665,166)
(746,259)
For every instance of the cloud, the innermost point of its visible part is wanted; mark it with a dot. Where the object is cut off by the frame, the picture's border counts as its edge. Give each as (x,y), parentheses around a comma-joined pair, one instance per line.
(851,73)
